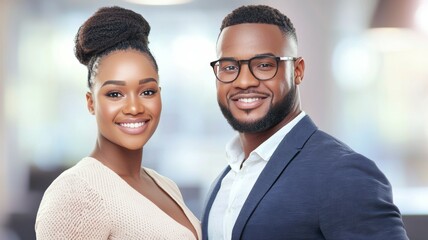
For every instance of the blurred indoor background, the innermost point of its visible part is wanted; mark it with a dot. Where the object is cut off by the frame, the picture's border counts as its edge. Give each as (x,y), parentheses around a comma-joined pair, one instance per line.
(366,83)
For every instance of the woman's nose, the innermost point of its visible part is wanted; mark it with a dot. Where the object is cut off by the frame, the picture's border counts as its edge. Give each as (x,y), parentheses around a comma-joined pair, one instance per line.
(133,105)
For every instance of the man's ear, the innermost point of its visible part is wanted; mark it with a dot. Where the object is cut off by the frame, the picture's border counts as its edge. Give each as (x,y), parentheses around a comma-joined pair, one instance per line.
(90,102)
(299,70)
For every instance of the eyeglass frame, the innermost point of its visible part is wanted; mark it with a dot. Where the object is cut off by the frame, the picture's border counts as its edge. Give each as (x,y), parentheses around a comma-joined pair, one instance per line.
(248,61)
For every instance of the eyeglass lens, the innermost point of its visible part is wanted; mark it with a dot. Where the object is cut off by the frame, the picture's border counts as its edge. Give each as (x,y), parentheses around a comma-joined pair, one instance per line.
(262,68)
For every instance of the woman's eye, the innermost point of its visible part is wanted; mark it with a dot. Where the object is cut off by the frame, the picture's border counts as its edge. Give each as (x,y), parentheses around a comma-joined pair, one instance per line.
(114,94)
(148,92)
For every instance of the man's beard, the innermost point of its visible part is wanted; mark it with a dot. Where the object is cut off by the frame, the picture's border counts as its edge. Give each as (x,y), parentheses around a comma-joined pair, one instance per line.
(277,112)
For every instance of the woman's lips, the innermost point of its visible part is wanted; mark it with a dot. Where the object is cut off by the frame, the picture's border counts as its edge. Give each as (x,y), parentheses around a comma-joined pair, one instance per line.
(132,125)
(133,128)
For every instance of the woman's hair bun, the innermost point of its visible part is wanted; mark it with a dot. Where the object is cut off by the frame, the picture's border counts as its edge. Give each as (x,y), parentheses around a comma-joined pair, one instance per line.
(108,27)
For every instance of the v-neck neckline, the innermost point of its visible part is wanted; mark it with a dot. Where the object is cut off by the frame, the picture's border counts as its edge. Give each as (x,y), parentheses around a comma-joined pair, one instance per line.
(149,174)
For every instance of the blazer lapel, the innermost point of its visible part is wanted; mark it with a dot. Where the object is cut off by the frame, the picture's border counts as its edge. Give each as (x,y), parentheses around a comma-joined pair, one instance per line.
(289,147)
(212,193)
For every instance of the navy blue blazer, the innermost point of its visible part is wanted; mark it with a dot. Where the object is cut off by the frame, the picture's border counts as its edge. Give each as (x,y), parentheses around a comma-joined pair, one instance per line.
(315,187)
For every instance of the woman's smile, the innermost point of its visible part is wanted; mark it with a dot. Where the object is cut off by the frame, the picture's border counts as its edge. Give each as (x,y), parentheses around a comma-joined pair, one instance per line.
(133,128)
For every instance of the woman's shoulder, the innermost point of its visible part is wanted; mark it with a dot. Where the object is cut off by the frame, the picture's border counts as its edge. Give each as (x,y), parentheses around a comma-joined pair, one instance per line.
(79,181)
(72,181)
(77,173)
(71,204)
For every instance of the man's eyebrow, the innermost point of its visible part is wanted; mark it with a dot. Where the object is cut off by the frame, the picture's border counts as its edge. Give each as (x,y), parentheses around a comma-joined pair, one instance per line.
(257,55)
(265,54)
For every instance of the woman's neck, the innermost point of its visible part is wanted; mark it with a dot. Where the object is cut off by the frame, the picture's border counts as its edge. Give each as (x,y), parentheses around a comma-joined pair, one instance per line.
(125,162)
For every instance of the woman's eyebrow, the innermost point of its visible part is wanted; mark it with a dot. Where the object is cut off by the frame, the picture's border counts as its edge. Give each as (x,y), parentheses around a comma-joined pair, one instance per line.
(123,83)
(114,82)
(146,80)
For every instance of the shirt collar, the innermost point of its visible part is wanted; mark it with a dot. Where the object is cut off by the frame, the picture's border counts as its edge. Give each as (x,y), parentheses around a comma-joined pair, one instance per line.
(235,153)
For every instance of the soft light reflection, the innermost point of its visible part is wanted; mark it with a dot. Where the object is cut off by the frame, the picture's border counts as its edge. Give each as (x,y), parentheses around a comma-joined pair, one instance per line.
(355,63)
(421,16)
(64,62)
(190,53)
(412,200)
(190,56)
(395,39)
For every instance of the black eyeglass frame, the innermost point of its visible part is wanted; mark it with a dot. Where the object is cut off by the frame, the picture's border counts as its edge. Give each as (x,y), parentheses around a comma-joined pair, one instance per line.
(248,61)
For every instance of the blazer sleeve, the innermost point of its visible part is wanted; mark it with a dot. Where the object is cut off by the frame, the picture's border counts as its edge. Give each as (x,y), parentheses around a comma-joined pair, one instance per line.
(70,209)
(358,203)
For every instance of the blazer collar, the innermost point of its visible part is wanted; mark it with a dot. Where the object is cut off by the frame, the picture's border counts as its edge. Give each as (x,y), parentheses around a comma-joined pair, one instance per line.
(289,147)
(212,193)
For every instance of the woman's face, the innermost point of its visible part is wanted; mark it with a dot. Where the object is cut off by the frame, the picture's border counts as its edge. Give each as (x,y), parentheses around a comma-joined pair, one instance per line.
(125,99)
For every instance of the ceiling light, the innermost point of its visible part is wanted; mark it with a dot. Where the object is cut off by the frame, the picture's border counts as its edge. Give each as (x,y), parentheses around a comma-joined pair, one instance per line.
(159,2)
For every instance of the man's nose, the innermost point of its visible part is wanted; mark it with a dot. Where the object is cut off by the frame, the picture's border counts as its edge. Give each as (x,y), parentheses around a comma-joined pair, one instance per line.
(245,77)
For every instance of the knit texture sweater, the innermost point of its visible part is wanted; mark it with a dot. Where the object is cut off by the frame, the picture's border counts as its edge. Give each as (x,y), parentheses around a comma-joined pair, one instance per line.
(90,201)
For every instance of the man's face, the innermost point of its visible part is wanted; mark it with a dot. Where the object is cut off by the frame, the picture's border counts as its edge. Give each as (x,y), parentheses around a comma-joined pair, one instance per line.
(248,104)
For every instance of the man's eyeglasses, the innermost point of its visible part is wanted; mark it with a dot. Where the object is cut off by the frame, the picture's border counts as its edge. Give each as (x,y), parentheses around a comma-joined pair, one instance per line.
(262,67)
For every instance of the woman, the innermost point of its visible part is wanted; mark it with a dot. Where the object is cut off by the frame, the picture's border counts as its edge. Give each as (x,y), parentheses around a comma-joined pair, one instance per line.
(108,195)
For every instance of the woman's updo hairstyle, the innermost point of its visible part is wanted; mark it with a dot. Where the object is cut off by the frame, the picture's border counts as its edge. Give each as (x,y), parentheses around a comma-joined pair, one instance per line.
(110,29)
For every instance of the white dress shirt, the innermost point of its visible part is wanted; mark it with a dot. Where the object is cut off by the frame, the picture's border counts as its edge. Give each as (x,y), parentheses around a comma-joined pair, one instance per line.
(238,182)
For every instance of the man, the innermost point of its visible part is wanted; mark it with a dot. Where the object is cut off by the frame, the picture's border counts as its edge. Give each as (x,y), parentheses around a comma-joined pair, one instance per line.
(286,179)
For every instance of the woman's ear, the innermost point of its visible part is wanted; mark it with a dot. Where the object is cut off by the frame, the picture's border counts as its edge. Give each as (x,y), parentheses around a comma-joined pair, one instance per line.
(90,102)
(299,70)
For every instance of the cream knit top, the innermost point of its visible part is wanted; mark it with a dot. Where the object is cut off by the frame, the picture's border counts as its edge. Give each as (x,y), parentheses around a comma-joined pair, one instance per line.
(90,201)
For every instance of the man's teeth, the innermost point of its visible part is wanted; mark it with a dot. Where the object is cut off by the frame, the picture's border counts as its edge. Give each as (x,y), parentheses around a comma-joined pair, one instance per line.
(132,125)
(248,100)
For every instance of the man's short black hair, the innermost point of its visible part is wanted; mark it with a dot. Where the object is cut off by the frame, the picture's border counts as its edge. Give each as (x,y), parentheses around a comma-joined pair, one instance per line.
(260,14)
